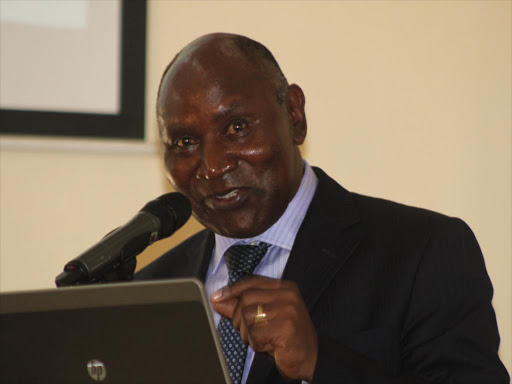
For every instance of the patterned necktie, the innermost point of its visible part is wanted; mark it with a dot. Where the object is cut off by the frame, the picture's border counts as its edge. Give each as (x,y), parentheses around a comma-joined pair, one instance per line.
(241,261)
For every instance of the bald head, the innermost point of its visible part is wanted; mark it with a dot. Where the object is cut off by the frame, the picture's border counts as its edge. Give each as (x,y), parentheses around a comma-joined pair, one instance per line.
(206,51)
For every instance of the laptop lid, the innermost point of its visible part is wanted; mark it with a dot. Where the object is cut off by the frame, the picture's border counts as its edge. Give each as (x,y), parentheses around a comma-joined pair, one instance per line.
(144,332)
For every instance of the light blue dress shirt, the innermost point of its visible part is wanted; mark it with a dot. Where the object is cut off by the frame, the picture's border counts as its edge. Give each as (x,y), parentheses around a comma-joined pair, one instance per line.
(280,236)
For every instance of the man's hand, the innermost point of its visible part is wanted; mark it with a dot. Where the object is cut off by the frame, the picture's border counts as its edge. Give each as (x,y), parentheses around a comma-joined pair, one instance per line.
(288,335)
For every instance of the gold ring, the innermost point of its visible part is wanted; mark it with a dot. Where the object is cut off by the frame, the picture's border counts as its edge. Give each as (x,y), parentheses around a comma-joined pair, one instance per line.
(260,316)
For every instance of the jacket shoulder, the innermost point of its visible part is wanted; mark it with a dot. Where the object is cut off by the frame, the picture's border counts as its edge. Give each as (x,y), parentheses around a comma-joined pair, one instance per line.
(403,219)
(410,237)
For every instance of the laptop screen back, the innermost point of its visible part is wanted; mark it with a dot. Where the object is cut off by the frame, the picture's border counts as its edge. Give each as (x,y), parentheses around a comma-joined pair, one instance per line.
(150,332)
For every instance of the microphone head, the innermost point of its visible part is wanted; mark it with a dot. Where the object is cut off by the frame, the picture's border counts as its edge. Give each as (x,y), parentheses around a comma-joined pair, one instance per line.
(172,209)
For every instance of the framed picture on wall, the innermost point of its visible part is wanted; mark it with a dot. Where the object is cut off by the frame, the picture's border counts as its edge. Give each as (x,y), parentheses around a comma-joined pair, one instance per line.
(73,68)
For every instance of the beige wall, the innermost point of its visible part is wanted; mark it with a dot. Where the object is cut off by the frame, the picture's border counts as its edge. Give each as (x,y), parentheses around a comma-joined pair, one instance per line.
(409,101)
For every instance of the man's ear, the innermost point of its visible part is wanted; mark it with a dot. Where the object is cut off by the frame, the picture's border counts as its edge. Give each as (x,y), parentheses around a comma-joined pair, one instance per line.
(297,114)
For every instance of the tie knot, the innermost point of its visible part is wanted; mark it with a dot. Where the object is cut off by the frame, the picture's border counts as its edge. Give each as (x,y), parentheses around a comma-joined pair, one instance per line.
(241,260)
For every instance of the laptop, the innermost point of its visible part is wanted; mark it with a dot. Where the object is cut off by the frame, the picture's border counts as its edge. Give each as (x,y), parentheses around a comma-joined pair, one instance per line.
(128,333)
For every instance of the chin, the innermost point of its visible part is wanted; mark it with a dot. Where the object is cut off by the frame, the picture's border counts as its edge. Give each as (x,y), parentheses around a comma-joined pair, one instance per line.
(238,231)
(236,224)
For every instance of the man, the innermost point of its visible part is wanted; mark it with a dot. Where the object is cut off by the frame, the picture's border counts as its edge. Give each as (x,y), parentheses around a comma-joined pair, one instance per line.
(345,288)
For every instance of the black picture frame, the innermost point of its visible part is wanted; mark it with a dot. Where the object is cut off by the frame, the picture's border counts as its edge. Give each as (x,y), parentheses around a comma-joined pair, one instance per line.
(128,124)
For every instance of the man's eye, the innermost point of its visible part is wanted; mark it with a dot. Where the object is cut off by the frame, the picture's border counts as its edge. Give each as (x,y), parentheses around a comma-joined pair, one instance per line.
(184,142)
(236,127)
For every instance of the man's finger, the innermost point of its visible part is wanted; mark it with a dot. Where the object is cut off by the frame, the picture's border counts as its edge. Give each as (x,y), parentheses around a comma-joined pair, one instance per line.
(248,314)
(228,307)
(225,308)
(265,337)
(232,291)
(251,298)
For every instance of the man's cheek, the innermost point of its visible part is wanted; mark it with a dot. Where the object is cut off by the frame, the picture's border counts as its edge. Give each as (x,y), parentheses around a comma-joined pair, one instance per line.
(258,153)
(179,175)
(170,179)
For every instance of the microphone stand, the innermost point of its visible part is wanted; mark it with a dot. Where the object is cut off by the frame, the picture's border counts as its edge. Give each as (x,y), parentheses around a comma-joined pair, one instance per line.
(78,273)
(72,276)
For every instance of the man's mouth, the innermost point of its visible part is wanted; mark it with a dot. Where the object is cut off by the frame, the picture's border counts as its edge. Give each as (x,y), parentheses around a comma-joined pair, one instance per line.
(226,201)
(228,195)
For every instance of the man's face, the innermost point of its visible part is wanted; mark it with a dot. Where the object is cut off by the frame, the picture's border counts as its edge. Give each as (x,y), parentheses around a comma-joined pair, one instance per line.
(229,146)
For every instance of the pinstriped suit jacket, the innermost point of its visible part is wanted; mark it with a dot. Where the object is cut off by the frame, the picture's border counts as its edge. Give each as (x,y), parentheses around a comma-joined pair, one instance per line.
(397,294)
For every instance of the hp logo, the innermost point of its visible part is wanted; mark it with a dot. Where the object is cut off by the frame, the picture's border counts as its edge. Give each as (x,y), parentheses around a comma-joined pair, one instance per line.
(97,370)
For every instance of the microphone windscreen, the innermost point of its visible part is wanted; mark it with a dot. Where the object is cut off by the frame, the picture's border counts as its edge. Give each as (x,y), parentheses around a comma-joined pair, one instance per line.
(172,209)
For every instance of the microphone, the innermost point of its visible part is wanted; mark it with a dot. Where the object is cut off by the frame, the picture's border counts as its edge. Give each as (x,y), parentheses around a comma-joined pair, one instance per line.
(113,258)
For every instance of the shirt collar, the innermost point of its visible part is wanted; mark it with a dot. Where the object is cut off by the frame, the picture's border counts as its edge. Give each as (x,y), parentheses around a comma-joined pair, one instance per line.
(283,232)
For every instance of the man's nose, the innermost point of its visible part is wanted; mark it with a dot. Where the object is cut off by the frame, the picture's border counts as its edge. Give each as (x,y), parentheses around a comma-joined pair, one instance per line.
(216,160)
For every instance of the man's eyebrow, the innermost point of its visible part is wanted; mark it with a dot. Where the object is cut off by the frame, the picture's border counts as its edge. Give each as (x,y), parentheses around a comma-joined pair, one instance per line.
(176,129)
(174,126)
(229,109)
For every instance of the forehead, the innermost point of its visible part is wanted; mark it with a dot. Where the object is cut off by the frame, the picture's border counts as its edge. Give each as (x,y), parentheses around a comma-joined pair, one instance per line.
(210,77)
(197,96)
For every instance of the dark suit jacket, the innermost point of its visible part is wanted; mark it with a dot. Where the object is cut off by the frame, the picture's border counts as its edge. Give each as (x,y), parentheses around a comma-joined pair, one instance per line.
(397,294)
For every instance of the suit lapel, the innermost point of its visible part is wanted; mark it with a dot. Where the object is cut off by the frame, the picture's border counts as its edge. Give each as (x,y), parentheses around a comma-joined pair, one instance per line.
(326,239)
